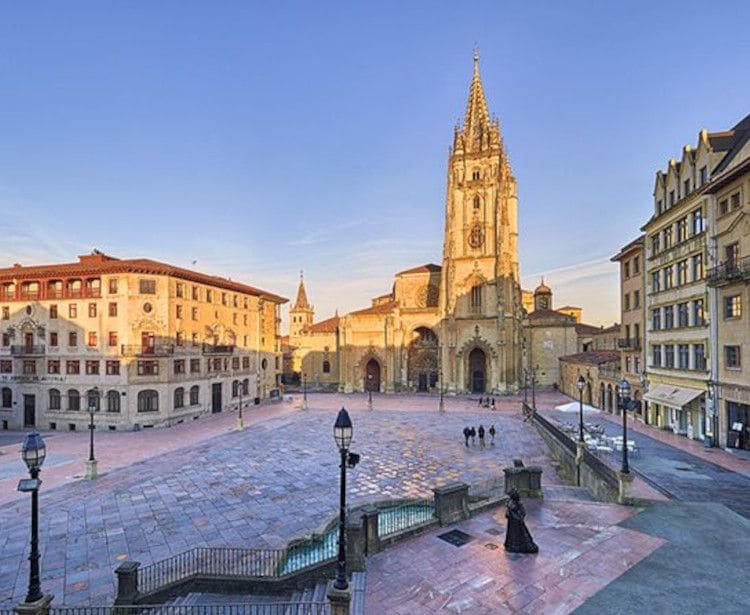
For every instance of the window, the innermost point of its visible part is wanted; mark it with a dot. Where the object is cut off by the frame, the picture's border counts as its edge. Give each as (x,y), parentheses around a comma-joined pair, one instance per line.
(734,201)
(93,339)
(113,286)
(217,364)
(234,318)
(682,314)
(668,277)
(659,206)
(92,368)
(626,269)
(112,338)
(178,311)
(235,388)
(732,255)
(326,367)
(671,198)
(195,294)
(683,356)
(180,289)
(29,367)
(668,237)
(476,175)
(113,309)
(7,397)
(699,357)
(6,366)
(637,364)
(113,368)
(699,318)
(682,270)
(72,338)
(148,368)
(74,288)
(179,366)
(195,366)
(244,321)
(194,313)
(194,338)
(179,398)
(656,350)
(74,400)
(147,287)
(72,367)
(54,289)
(655,282)
(235,301)
(733,306)
(73,310)
(235,362)
(668,355)
(686,187)
(148,401)
(92,310)
(53,338)
(682,228)
(732,358)
(53,366)
(655,244)
(113,401)
(244,340)
(476,298)
(223,298)
(54,399)
(636,299)
(53,311)
(245,362)
(703,174)
(697,222)
(6,339)
(669,317)
(656,319)
(477,202)
(723,206)
(626,302)
(209,296)
(697,267)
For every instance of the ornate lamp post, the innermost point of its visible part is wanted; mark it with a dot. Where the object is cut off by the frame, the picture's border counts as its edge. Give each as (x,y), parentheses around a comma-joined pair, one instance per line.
(525,386)
(33,453)
(240,421)
(369,391)
(441,407)
(644,389)
(625,404)
(304,391)
(581,384)
(93,399)
(342,434)
(533,387)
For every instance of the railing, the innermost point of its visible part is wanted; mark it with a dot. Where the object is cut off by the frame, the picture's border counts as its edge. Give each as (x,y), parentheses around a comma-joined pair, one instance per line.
(138,350)
(276,608)
(729,272)
(602,469)
(26,349)
(558,433)
(218,349)
(632,343)
(397,519)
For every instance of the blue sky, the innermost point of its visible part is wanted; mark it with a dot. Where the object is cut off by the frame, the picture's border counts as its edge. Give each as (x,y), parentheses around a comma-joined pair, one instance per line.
(259,139)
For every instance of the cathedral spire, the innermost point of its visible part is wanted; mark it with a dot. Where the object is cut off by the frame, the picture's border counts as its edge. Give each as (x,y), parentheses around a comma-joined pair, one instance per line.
(301,303)
(477,119)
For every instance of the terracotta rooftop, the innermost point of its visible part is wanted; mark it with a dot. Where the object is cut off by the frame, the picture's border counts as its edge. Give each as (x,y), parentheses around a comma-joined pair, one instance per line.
(541,314)
(584,329)
(615,328)
(328,325)
(593,357)
(99,263)
(383,308)
(428,268)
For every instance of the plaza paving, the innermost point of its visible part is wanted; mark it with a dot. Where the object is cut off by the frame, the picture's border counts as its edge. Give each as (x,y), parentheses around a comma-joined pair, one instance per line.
(274,481)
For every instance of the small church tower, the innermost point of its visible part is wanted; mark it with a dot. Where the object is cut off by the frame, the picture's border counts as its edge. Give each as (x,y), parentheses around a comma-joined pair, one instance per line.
(301,313)
(543,297)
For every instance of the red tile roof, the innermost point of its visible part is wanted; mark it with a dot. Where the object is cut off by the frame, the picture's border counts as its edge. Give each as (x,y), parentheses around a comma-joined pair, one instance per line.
(325,326)
(593,357)
(428,268)
(584,329)
(383,308)
(541,314)
(98,264)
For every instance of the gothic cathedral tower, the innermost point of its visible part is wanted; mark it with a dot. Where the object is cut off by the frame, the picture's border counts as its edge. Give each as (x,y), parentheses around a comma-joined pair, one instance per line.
(480,291)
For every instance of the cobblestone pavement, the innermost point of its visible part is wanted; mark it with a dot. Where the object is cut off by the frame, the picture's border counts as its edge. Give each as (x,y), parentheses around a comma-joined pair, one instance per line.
(276,480)
(582,550)
(674,468)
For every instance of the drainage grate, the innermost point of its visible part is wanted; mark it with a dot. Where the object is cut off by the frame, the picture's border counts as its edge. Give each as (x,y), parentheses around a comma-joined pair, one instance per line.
(491,546)
(494,531)
(456,537)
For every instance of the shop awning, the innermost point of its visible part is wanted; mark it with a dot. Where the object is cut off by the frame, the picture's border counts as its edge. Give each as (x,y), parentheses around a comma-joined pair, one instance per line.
(672,396)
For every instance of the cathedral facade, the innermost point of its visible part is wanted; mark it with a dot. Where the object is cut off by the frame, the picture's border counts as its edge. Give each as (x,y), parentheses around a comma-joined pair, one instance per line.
(455,326)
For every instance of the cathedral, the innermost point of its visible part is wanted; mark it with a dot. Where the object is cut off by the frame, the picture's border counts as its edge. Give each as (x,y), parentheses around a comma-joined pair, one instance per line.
(456,326)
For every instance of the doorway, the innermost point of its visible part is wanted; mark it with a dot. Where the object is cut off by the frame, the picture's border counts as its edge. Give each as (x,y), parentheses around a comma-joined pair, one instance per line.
(216,397)
(372,376)
(477,370)
(29,410)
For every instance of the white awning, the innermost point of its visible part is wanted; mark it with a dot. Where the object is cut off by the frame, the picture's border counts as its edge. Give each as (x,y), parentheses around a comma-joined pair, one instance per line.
(672,396)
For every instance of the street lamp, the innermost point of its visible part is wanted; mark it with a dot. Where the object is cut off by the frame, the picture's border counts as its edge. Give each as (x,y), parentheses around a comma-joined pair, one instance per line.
(342,434)
(93,399)
(533,386)
(441,407)
(369,391)
(33,453)
(644,390)
(240,421)
(525,386)
(581,384)
(625,404)
(304,391)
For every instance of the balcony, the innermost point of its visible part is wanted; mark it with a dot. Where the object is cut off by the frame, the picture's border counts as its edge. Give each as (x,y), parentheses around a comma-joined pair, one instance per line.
(137,350)
(629,343)
(727,273)
(218,349)
(26,350)
(610,371)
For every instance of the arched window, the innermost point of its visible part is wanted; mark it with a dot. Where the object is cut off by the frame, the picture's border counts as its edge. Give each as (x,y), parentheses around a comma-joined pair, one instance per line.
(54,399)
(7,397)
(235,388)
(148,401)
(113,401)
(74,400)
(476,174)
(92,400)
(194,395)
(477,202)
(326,367)
(179,398)
(476,297)
(246,386)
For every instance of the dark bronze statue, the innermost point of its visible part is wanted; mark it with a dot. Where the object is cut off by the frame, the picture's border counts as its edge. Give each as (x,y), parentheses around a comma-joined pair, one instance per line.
(517,536)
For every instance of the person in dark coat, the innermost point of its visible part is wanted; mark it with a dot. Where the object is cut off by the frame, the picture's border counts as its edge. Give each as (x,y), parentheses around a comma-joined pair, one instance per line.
(493,403)
(473,433)
(480,431)
(492,435)
(467,433)
(517,536)
(481,399)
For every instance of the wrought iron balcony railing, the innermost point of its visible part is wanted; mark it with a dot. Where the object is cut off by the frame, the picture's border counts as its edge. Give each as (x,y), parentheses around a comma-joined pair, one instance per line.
(218,349)
(21,350)
(629,343)
(138,350)
(726,273)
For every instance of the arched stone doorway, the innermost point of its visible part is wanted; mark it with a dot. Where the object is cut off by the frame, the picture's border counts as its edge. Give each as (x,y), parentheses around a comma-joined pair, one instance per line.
(372,376)
(477,371)
(422,364)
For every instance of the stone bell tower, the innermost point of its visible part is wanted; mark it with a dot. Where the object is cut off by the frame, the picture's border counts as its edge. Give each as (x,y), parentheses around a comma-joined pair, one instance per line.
(301,314)
(480,292)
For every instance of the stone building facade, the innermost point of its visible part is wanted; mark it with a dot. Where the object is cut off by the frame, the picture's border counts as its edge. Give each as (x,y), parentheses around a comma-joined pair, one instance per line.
(456,325)
(147,343)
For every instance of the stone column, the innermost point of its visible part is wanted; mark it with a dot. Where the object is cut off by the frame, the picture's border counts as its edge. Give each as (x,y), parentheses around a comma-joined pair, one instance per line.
(356,545)
(625,483)
(40,607)
(340,599)
(370,515)
(579,460)
(451,502)
(127,582)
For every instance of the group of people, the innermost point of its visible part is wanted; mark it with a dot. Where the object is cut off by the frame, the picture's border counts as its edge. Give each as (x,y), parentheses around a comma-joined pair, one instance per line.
(487,402)
(470,432)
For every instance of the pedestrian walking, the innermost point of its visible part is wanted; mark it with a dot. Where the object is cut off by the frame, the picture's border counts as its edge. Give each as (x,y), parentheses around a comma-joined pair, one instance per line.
(467,433)
(480,431)
(492,435)
(481,399)
(473,434)
(493,403)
